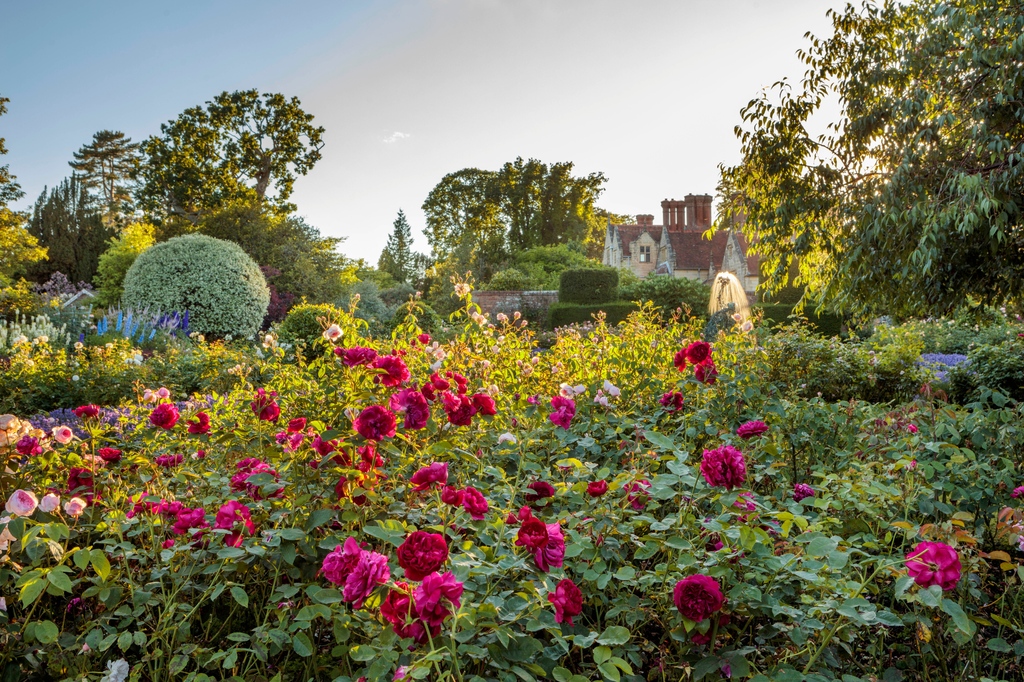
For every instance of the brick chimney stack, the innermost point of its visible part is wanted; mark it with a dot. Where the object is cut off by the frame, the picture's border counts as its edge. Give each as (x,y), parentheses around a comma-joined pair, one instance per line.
(645,220)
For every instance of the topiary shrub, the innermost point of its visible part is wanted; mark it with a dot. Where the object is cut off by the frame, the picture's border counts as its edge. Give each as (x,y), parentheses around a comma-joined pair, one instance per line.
(587,286)
(220,286)
(301,324)
(669,293)
(561,314)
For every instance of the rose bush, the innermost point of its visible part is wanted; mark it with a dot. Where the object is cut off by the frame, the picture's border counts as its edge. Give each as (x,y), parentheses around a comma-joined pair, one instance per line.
(538,534)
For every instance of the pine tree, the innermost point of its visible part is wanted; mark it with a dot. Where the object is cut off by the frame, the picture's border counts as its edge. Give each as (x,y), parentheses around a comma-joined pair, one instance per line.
(397,259)
(108,165)
(73,232)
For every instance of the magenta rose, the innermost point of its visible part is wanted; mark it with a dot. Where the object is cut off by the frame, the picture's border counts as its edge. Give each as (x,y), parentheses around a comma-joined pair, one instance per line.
(706,372)
(541,490)
(29,446)
(934,563)
(394,370)
(87,411)
(425,477)
(751,429)
(459,408)
(338,564)
(724,467)
(109,455)
(375,423)
(553,551)
(371,570)
(474,502)
(698,597)
(452,496)
(437,597)
(679,359)
(672,401)
(350,357)
(199,425)
(413,406)
(564,410)
(802,491)
(567,600)
(399,610)
(164,416)
(697,352)
(597,488)
(228,515)
(533,534)
(422,553)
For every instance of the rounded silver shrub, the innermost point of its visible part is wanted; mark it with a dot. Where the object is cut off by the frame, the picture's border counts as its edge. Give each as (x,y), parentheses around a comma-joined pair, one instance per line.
(219,285)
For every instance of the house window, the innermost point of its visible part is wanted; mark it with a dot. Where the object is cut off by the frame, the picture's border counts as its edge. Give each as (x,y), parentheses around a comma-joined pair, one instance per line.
(645,254)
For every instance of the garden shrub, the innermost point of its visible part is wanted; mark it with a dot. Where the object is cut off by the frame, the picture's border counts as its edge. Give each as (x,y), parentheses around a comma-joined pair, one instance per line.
(997,367)
(509,279)
(117,260)
(561,314)
(669,293)
(302,323)
(587,286)
(18,299)
(426,317)
(220,287)
(826,324)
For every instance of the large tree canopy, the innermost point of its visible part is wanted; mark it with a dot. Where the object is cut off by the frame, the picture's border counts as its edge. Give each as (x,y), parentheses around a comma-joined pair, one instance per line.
(911,200)
(107,166)
(242,146)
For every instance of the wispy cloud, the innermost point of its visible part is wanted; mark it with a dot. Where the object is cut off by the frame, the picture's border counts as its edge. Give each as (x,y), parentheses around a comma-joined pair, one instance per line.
(395,137)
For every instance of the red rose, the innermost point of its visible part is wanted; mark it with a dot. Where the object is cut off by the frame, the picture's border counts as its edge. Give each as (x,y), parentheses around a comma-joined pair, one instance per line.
(395,371)
(264,406)
(80,483)
(399,610)
(697,597)
(751,429)
(87,411)
(705,372)
(475,503)
(375,423)
(413,405)
(350,357)
(421,554)
(452,496)
(597,488)
(297,425)
(424,339)
(432,387)
(541,490)
(697,352)
(724,467)
(459,408)
(199,425)
(109,455)
(425,477)
(679,359)
(437,597)
(459,380)
(533,534)
(164,416)
(672,401)
(484,404)
(568,601)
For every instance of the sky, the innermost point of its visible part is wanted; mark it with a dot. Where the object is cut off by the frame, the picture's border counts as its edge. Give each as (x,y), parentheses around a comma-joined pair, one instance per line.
(645,91)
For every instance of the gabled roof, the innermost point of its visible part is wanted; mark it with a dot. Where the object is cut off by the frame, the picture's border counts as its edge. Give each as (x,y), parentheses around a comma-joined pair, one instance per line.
(630,233)
(693,252)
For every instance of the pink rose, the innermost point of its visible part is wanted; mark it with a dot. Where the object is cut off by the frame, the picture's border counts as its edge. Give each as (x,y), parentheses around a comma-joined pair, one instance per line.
(371,570)
(802,491)
(50,503)
(338,564)
(437,597)
(672,401)
(394,370)
(564,411)
(421,554)
(264,406)
(553,551)
(200,425)
(459,408)
(75,506)
(351,357)
(751,429)
(21,503)
(63,434)
(411,403)
(475,503)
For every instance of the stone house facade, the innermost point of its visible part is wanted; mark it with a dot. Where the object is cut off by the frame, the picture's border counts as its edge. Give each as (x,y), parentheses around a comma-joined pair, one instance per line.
(677,247)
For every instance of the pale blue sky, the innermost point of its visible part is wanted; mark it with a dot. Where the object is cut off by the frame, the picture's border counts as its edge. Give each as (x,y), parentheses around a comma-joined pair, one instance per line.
(646,91)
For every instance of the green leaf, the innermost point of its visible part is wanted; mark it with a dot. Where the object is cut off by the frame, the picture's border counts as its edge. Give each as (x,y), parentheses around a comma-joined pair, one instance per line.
(319,518)
(614,636)
(660,440)
(178,663)
(362,653)
(999,644)
(81,559)
(610,672)
(602,654)
(561,674)
(99,562)
(46,632)
(821,546)
(60,581)
(240,596)
(301,644)
(960,619)
(124,641)
(31,590)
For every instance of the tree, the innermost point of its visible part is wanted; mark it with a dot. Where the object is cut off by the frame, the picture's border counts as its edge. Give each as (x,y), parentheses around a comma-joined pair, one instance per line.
(398,259)
(18,248)
(73,232)
(114,263)
(912,200)
(310,265)
(242,146)
(108,165)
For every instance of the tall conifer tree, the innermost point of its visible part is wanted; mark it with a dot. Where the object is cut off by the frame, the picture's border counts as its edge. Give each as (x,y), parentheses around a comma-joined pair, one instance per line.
(73,232)
(398,259)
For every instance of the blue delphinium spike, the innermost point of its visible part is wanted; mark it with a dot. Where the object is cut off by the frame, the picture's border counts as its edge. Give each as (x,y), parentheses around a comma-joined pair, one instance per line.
(81,337)
(152,334)
(120,318)
(184,324)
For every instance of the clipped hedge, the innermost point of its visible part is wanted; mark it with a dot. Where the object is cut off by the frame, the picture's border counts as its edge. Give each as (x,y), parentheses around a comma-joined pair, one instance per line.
(587,286)
(561,314)
(668,293)
(826,324)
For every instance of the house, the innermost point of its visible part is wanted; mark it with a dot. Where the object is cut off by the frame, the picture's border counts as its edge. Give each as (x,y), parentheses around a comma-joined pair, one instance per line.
(677,247)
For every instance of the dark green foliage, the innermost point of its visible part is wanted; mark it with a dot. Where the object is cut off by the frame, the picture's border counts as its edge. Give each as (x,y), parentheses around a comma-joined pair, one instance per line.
(108,166)
(587,286)
(510,279)
(302,324)
(668,293)
(539,268)
(912,199)
(997,367)
(826,324)
(72,231)
(398,259)
(310,265)
(561,314)
(242,146)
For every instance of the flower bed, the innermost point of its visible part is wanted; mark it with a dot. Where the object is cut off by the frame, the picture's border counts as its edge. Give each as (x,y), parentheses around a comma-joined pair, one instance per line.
(627,506)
